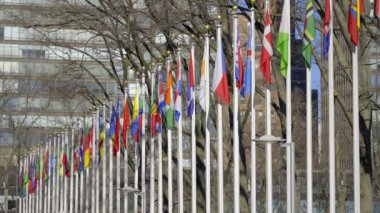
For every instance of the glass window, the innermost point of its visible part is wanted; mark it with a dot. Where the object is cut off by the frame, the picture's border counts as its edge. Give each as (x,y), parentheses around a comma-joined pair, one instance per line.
(1,33)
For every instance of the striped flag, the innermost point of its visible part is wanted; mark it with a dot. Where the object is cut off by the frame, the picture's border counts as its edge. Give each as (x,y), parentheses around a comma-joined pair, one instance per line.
(283,40)
(326,28)
(135,117)
(161,94)
(126,122)
(202,83)
(267,49)
(247,80)
(220,81)
(102,133)
(309,33)
(190,86)
(377,9)
(355,9)
(116,141)
(239,72)
(178,91)
(169,117)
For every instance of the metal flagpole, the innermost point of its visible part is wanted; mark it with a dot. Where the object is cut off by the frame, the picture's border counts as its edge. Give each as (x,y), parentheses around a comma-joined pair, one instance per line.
(27,203)
(40,209)
(309,162)
(29,194)
(331,115)
(118,170)
(143,144)
(104,189)
(159,148)
(268,149)
(81,191)
(88,183)
(126,157)
(92,164)
(253,114)
(49,176)
(356,130)
(236,166)
(54,171)
(65,179)
(220,142)
(170,170)
(152,160)
(111,167)
(135,204)
(95,161)
(179,142)
(20,203)
(193,143)
(62,176)
(207,131)
(71,151)
(289,174)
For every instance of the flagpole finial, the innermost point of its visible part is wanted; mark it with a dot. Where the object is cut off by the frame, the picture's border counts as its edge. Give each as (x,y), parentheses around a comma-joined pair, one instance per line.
(207,27)
(252,2)
(234,8)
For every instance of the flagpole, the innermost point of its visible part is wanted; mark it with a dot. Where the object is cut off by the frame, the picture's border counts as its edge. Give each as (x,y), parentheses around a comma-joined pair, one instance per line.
(64,175)
(136,164)
(54,184)
(356,130)
(29,194)
(207,131)
(125,154)
(92,165)
(21,178)
(82,192)
(289,170)
(170,177)
(71,151)
(220,196)
(104,190)
(110,167)
(41,179)
(143,144)
(118,170)
(179,145)
(193,144)
(152,160)
(96,160)
(236,153)
(45,183)
(159,148)
(253,114)
(331,114)
(268,149)
(52,179)
(309,167)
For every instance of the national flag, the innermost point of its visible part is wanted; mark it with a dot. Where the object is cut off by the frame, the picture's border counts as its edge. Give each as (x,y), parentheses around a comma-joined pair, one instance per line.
(283,39)
(60,164)
(239,72)
(65,161)
(116,141)
(21,179)
(220,81)
(377,9)
(46,165)
(135,117)
(267,49)
(247,80)
(190,86)
(202,82)
(76,159)
(178,91)
(102,133)
(37,162)
(309,33)
(153,111)
(26,176)
(161,95)
(326,28)
(141,114)
(354,11)
(81,151)
(126,122)
(88,146)
(169,114)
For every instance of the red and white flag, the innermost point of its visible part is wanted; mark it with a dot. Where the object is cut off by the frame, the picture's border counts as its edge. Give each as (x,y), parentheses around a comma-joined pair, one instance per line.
(267,49)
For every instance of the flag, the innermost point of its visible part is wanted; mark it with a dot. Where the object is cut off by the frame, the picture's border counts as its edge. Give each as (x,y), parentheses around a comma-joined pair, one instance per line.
(102,133)
(81,151)
(87,146)
(354,20)
(247,80)
(65,162)
(141,112)
(153,111)
(267,49)
(283,39)
(220,81)
(326,28)
(309,33)
(377,9)
(190,86)
(135,117)
(202,83)
(76,159)
(239,74)
(126,122)
(178,91)
(169,101)
(60,165)
(26,176)
(21,179)
(161,95)
(37,174)
(46,165)
(116,140)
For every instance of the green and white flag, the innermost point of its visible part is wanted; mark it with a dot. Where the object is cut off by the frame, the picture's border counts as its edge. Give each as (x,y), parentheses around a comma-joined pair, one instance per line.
(309,33)
(283,39)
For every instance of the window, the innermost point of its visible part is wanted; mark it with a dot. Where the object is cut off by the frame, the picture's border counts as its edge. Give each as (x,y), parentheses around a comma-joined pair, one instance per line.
(36,54)
(1,33)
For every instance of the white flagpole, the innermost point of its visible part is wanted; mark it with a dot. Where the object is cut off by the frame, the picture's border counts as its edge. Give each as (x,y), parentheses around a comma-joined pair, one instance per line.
(46,185)
(253,115)
(64,174)
(289,172)
(104,190)
(193,146)
(159,148)
(29,195)
(236,154)
(76,192)
(179,145)
(53,178)
(96,165)
(49,176)
(207,131)
(82,192)
(170,170)
(27,206)
(118,172)
(40,209)
(356,130)
(143,144)
(62,177)
(20,203)
(309,162)
(88,183)
(152,160)
(220,141)
(331,115)
(111,168)
(125,156)
(71,151)
(268,149)
(92,164)
(135,204)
